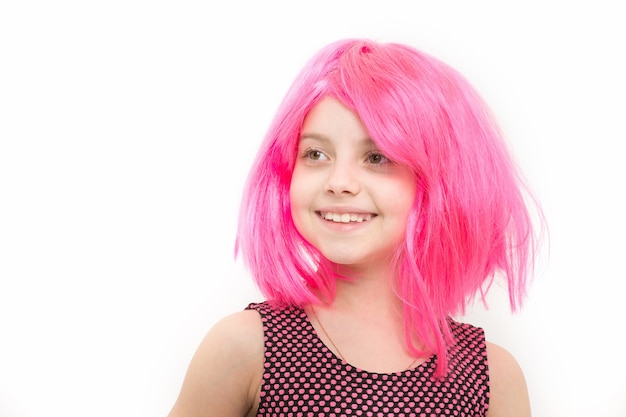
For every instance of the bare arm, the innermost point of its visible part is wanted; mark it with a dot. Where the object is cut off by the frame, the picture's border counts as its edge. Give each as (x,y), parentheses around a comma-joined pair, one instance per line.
(224,375)
(509,394)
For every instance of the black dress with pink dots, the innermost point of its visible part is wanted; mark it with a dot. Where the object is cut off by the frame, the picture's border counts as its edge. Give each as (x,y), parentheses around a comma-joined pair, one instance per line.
(302,377)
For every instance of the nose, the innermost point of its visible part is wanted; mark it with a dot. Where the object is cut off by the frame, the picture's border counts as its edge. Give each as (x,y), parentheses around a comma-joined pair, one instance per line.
(343,179)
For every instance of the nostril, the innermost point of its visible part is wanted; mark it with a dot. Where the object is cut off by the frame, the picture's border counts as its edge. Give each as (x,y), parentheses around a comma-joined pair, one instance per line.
(342,186)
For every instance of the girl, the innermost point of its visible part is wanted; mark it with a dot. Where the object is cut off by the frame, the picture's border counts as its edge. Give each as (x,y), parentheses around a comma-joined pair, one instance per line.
(382,201)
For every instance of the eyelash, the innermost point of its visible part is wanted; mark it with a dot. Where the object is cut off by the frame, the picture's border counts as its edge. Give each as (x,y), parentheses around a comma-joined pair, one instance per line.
(309,151)
(384,159)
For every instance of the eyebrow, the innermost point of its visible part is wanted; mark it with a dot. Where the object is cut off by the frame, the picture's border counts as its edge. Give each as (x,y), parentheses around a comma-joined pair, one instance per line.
(366,142)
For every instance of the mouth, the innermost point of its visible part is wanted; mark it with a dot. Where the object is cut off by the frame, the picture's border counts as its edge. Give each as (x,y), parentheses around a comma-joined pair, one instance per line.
(345,217)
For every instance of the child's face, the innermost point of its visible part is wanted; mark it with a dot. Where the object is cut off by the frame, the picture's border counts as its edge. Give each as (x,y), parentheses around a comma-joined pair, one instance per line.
(347,199)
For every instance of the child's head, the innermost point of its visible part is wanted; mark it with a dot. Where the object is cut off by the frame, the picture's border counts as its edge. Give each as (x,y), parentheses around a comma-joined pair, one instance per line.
(469,219)
(348,199)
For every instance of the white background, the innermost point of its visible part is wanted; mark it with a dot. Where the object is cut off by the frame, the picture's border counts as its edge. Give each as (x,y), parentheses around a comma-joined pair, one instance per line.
(126,131)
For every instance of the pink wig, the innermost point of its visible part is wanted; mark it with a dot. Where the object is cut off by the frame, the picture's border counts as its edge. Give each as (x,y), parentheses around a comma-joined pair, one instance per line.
(469,222)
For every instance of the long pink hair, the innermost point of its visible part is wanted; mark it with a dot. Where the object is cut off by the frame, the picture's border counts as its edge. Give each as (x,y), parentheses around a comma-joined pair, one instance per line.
(470,220)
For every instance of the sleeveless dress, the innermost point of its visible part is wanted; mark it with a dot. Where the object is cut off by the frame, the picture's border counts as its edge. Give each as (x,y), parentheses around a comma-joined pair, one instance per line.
(302,377)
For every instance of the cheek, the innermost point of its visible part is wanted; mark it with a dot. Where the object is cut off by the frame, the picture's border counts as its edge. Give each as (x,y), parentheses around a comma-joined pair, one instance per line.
(403,198)
(402,193)
(297,203)
(294,194)
(300,190)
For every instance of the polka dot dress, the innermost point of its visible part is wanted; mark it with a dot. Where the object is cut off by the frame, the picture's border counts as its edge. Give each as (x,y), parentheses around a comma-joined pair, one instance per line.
(303,378)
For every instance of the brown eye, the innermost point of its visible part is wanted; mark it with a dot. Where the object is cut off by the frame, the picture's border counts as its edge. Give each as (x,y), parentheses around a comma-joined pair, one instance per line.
(377,158)
(315,155)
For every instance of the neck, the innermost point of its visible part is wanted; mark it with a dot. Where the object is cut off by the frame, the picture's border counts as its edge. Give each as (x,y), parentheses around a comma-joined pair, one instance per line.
(365,323)
(366,290)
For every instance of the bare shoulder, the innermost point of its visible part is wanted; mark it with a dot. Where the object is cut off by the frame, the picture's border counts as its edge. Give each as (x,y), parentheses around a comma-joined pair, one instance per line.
(224,375)
(508,391)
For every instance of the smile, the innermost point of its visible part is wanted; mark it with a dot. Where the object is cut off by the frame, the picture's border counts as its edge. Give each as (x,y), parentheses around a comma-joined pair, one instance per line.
(345,217)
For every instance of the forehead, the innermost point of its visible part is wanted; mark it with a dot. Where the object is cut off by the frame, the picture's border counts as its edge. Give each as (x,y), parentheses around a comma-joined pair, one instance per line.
(330,121)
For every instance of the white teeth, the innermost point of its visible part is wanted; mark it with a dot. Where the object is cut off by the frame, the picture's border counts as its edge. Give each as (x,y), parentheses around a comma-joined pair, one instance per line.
(346,217)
